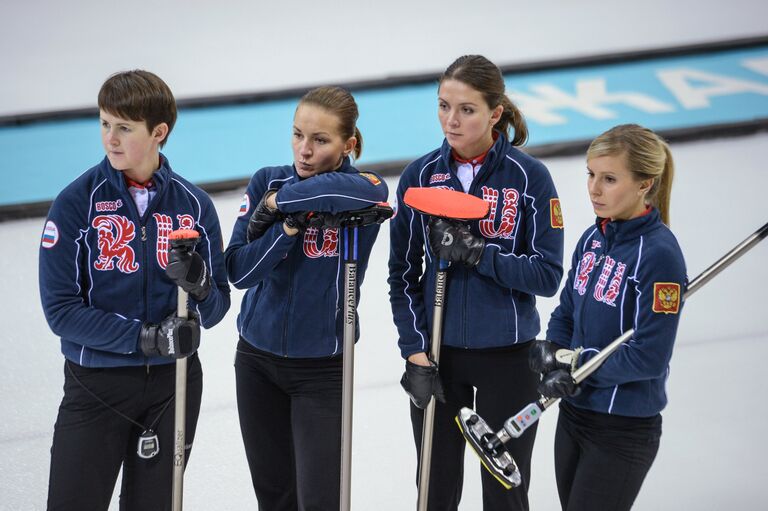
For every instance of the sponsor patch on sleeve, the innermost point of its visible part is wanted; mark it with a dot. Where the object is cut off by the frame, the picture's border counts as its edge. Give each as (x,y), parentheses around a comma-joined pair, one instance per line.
(50,234)
(555,214)
(373,178)
(245,205)
(666,297)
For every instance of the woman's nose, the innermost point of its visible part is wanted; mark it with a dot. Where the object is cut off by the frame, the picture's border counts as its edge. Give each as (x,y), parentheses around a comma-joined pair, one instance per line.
(110,137)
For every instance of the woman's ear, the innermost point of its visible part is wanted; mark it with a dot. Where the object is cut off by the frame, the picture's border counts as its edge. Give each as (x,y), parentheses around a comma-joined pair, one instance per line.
(349,145)
(496,114)
(645,186)
(160,132)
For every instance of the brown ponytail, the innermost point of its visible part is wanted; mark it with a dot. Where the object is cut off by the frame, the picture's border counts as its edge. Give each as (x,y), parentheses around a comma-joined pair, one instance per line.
(359,146)
(485,77)
(512,116)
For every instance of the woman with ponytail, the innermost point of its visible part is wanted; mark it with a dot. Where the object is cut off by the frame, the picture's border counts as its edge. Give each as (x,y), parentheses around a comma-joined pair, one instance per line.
(627,272)
(288,367)
(499,265)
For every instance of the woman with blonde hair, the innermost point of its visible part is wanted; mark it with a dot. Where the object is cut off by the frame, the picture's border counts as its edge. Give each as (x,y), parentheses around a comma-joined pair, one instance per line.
(627,272)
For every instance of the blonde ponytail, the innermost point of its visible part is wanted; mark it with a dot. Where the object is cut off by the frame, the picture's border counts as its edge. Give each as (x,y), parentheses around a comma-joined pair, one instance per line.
(663,193)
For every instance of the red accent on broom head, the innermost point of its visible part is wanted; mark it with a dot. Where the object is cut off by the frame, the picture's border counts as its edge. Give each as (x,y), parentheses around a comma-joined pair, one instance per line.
(446,203)
(184,234)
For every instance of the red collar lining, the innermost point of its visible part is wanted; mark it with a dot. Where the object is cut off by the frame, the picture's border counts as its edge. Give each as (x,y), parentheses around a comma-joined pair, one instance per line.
(605,221)
(477,160)
(131,183)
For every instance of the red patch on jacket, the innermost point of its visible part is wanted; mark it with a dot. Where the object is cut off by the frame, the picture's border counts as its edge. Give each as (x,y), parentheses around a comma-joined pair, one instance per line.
(373,178)
(666,297)
(555,214)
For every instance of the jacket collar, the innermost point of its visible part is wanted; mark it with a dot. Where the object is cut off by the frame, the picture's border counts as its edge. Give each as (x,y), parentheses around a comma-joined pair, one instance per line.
(492,157)
(116,178)
(622,230)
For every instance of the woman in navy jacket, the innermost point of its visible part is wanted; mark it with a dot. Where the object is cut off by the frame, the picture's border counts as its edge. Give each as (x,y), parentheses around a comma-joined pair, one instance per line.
(627,272)
(501,263)
(288,364)
(108,284)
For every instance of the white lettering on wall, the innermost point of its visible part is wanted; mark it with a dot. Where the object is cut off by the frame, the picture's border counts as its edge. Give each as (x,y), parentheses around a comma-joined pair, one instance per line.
(757,65)
(693,88)
(590,99)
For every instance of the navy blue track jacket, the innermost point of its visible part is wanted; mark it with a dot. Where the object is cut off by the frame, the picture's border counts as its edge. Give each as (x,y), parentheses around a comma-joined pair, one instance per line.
(296,283)
(492,304)
(630,276)
(102,266)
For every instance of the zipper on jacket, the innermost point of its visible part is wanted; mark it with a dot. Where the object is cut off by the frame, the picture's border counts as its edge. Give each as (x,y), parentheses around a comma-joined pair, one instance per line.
(473,186)
(144,278)
(151,206)
(128,199)
(457,181)
(464,286)
(288,307)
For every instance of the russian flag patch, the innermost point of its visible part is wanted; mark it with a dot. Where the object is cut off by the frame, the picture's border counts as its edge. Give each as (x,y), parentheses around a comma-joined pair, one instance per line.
(50,234)
(245,205)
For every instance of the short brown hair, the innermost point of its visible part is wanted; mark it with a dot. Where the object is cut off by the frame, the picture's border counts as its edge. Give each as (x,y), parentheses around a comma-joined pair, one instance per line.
(139,95)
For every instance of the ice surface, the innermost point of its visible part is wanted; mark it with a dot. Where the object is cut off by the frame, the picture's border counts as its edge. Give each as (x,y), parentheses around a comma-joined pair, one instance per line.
(712,454)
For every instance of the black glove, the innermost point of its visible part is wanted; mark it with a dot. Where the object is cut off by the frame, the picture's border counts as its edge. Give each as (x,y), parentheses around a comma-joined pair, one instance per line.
(421,383)
(376,214)
(175,337)
(325,220)
(546,356)
(452,241)
(300,220)
(187,269)
(558,383)
(262,217)
(319,219)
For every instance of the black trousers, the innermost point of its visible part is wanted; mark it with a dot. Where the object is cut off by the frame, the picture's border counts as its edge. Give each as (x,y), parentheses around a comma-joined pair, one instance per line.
(504,384)
(601,460)
(91,442)
(290,418)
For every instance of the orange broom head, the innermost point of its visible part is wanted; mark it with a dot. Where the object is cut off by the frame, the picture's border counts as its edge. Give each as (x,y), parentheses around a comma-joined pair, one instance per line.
(446,203)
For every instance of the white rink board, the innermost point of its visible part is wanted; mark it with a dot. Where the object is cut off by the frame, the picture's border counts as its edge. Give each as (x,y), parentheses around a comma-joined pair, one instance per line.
(58,54)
